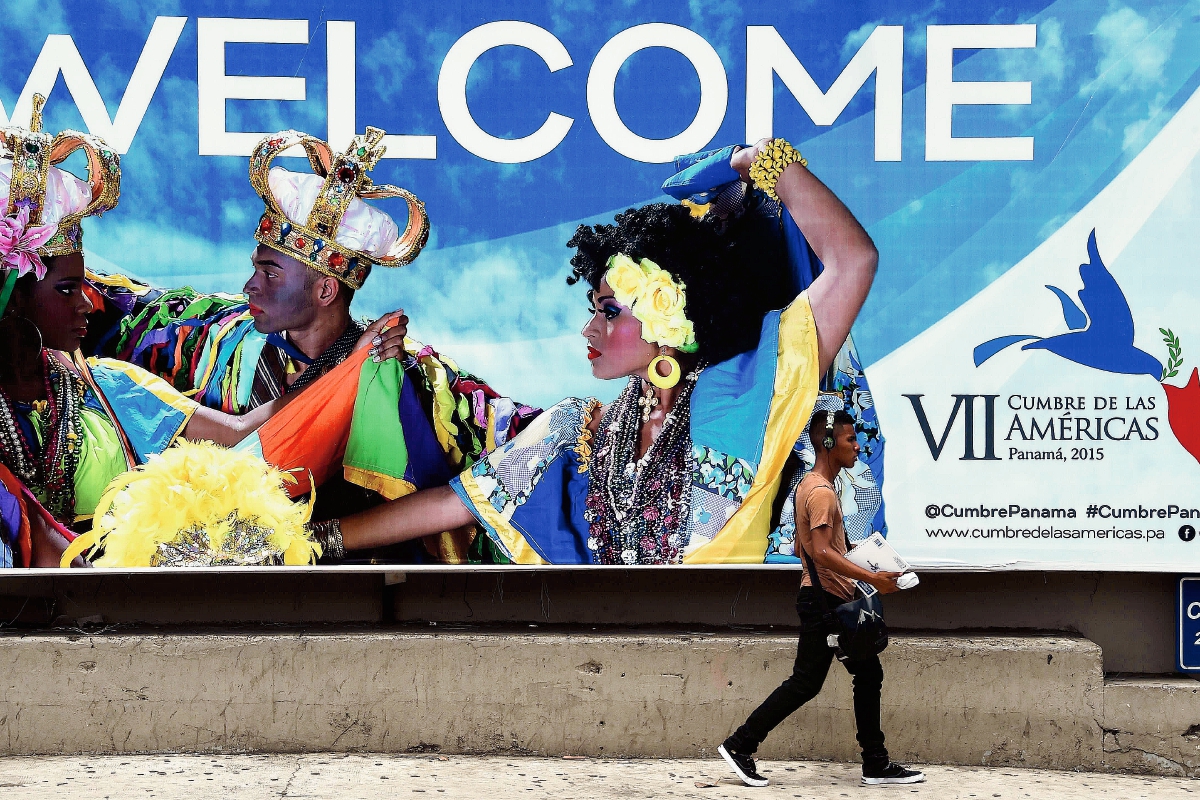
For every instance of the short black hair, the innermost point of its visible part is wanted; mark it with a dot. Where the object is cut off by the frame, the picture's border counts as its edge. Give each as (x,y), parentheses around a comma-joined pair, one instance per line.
(725,303)
(820,419)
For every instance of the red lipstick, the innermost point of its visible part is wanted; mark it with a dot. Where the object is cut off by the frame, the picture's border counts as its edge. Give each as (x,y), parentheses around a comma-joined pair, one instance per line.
(593,353)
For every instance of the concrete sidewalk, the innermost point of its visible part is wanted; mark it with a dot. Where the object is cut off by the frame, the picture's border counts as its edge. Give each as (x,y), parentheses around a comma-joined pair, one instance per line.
(351,777)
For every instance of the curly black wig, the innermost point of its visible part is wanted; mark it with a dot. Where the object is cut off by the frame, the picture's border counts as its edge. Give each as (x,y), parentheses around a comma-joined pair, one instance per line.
(734,271)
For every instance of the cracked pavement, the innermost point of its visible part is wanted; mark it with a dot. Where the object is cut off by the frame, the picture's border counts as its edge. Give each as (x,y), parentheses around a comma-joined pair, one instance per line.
(344,777)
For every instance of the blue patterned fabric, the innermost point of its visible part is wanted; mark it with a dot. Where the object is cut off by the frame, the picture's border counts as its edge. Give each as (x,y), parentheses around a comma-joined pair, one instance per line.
(10,522)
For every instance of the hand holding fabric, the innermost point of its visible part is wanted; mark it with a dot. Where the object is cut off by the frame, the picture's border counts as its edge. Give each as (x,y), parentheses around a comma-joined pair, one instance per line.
(385,336)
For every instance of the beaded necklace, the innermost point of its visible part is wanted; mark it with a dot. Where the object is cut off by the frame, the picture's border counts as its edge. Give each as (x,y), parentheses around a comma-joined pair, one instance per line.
(53,474)
(638,508)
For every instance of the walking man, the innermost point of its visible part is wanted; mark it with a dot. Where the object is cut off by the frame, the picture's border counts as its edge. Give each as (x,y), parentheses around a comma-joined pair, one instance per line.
(820,532)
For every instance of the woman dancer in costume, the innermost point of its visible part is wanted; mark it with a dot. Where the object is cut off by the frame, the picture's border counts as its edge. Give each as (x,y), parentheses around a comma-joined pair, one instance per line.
(684,466)
(68,426)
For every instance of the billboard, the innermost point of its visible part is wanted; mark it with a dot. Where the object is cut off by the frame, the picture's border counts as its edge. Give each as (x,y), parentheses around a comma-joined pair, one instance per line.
(1027,174)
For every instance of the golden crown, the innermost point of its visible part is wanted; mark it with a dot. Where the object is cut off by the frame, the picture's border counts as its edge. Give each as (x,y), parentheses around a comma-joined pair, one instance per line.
(33,152)
(315,242)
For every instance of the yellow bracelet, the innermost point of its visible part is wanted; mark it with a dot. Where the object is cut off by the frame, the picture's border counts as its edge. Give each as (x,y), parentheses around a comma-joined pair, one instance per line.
(770,163)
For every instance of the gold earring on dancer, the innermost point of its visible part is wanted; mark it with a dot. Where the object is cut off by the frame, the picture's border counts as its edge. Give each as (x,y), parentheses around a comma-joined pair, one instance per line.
(663,381)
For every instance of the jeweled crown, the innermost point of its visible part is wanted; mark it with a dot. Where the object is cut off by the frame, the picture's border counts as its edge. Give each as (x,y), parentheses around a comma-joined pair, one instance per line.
(33,152)
(315,242)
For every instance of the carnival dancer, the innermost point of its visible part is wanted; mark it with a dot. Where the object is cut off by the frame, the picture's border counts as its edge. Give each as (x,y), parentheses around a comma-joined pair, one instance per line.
(69,425)
(318,240)
(685,465)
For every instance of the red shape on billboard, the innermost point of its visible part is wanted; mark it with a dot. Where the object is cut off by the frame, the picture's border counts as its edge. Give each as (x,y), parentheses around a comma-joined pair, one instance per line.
(1183,411)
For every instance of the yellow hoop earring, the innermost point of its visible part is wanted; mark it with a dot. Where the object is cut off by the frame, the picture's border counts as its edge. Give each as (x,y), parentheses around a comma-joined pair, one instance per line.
(663,381)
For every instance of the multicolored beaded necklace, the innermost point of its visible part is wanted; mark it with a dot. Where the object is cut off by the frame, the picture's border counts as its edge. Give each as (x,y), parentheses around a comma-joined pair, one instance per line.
(52,475)
(637,508)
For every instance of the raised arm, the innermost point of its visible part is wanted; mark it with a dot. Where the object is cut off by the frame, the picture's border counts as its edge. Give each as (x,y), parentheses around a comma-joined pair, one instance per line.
(845,249)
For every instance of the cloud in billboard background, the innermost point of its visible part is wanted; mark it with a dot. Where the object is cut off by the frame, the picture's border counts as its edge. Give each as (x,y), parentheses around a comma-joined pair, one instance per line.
(1105,79)
(1094,86)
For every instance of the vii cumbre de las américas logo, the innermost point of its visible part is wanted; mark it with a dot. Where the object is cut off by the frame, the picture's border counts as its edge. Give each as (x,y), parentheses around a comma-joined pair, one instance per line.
(1101,335)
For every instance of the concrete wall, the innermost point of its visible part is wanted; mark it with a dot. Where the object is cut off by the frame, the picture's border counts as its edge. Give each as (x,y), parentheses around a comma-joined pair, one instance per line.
(1032,701)
(602,663)
(1130,616)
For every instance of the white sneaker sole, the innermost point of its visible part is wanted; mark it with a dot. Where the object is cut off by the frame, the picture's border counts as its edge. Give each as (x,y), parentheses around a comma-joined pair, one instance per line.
(918,778)
(746,779)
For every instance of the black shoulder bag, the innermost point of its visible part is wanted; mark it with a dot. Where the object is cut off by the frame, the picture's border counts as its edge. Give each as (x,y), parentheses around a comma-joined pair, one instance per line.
(861,631)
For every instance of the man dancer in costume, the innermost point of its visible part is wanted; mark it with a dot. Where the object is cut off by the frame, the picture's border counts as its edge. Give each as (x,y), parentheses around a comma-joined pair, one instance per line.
(318,240)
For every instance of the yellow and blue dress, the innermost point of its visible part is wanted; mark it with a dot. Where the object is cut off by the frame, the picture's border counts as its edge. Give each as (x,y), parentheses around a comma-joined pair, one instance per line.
(746,415)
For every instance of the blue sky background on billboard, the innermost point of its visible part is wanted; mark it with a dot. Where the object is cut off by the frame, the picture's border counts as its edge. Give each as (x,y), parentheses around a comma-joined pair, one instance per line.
(490,288)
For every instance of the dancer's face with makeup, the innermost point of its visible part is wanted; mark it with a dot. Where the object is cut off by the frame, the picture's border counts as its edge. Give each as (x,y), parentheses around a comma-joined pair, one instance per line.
(56,304)
(614,337)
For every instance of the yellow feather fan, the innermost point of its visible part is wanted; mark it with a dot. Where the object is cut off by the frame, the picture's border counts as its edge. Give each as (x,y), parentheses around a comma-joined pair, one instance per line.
(199,504)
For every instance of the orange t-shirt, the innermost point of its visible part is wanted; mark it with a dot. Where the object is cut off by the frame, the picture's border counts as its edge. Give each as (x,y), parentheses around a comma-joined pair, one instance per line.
(816,505)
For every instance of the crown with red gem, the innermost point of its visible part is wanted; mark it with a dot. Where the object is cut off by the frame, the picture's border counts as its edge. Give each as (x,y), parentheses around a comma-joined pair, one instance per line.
(49,195)
(322,220)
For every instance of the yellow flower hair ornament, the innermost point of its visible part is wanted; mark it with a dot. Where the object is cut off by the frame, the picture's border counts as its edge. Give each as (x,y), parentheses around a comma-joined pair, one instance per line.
(199,504)
(655,299)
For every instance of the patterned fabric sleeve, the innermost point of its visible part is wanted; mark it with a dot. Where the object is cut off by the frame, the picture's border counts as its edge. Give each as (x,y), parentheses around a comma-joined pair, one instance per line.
(529,494)
(162,331)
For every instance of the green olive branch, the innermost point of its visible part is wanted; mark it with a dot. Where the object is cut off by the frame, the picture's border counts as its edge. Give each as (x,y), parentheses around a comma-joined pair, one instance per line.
(1174,353)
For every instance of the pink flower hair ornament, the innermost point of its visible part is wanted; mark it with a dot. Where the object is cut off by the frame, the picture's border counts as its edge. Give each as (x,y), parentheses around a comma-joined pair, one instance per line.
(19,242)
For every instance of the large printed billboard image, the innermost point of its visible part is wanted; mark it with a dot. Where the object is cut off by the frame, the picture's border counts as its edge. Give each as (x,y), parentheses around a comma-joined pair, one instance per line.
(557,284)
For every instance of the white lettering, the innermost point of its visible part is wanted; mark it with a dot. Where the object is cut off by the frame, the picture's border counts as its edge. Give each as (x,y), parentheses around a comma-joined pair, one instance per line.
(59,54)
(601,90)
(942,92)
(342,111)
(214,87)
(1193,611)
(882,53)
(452,91)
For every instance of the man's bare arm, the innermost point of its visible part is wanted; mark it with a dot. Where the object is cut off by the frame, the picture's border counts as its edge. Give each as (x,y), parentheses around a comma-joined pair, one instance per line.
(826,556)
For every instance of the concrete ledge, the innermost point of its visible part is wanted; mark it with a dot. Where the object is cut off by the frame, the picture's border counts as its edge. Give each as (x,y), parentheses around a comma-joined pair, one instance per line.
(1030,701)
(1152,725)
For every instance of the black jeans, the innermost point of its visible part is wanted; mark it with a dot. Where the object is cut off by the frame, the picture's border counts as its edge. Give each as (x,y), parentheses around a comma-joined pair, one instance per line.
(813,657)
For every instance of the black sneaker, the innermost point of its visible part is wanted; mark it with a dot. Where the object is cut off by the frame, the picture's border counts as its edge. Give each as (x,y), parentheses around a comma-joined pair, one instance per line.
(892,773)
(743,766)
